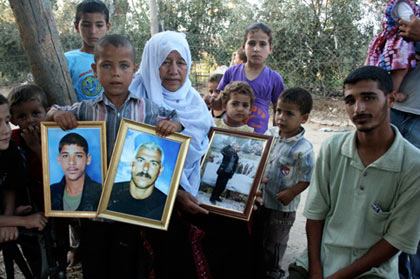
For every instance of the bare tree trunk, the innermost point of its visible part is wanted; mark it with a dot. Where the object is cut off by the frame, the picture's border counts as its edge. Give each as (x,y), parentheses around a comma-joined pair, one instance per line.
(154,27)
(43,49)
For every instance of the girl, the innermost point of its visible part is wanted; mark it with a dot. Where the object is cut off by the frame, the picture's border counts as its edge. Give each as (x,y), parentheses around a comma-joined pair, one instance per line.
(391,51)
(266,83)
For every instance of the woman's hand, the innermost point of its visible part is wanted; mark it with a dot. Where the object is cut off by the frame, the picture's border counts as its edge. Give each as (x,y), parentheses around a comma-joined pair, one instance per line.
(188,203)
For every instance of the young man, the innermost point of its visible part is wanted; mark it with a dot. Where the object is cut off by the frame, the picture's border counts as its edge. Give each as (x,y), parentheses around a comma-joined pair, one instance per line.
(139,195)
(364,199)
(92,23)
(76,190)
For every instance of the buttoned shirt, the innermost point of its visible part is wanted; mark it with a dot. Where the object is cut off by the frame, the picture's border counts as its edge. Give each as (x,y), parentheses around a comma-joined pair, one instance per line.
(134,108)
(291,161)
(363,204)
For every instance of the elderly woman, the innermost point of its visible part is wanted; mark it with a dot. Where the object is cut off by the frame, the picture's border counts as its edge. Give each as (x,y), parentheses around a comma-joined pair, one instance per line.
(163,78)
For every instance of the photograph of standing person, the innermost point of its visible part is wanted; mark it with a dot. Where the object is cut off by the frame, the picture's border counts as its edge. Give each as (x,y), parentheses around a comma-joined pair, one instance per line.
(226,170)
(76,191)
(139,195)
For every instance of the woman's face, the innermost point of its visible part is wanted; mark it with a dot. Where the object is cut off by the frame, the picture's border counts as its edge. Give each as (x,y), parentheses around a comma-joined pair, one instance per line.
(173,71)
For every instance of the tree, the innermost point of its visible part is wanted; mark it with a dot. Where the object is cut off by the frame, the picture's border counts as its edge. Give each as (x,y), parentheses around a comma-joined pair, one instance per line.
(43,49)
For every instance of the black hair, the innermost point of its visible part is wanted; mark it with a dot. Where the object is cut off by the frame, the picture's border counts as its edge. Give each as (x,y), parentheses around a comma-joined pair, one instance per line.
(374,73)
(215,78)
(91,6)
(238,87)
(3,100)
(73,139)
(25,93)
(116,41)
(258,26)
(299,96)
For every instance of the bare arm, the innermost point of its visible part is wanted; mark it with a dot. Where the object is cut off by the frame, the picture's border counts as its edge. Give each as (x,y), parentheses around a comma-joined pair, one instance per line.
(274,114)
(377,255)
(410,29)
(314,230)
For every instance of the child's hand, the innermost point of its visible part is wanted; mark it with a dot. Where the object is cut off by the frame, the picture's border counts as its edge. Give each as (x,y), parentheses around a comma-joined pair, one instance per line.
(36,220)
(32,138)
(65,119)
(8,234)
(213,103)
(165,128)
(258,200)
(286,196)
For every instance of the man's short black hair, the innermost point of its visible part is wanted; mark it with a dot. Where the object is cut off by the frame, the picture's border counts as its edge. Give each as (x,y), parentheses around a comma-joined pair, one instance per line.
(299,96)
(116,41)
(371,73)
(73,139)
(90,7)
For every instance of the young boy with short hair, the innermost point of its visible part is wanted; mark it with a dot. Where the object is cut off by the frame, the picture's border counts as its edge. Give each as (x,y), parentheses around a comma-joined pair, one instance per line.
(12,176)
(237,99)
(28,107)
(111,250)
(214,93)
(92,23)
(288,173)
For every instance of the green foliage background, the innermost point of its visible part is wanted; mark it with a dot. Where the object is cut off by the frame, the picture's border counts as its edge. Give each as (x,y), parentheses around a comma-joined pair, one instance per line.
(316,42)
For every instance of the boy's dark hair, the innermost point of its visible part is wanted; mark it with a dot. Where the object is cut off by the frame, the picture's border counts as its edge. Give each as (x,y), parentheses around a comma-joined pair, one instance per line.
(28,92)
(114,40)
(299,96)
(90,7)
(215,78)
(374,73)
(242,54)
(3,100)
(73,138)
(238,87)
(258,26)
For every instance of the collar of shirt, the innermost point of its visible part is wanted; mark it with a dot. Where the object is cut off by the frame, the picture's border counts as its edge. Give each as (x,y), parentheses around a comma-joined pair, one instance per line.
(106,101)
(274,131)
(390,161)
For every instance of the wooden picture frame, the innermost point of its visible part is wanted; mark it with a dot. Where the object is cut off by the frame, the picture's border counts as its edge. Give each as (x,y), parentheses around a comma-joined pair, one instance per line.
(66,163)
(142,183)
(229,182)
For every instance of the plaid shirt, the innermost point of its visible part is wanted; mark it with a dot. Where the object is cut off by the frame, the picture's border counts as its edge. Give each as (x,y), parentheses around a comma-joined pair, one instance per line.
(291,161)
(134,108)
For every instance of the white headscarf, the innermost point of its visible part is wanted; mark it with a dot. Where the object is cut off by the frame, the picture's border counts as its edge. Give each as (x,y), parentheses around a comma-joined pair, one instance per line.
(188,104)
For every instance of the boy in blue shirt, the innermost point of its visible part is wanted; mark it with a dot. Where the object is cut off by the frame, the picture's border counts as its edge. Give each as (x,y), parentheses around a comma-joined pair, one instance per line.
(288,173)
(92,23)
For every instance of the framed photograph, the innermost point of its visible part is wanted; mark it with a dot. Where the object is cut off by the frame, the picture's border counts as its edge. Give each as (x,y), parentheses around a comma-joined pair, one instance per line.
(74,165)
(143,176)
(232,170)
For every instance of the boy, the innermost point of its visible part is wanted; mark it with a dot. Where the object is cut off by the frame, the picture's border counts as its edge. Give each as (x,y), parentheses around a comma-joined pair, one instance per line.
(214,93)
(288,173)
(92,23)
(76,190)
(28,107)
(111,249)
(11,177)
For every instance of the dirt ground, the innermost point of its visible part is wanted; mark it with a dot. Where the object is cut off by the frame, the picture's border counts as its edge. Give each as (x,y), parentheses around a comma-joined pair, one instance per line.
(328,117)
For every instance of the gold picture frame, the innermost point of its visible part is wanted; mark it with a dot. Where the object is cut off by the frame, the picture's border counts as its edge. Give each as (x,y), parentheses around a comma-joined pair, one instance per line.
(231,171)
(69,157)
(143,176)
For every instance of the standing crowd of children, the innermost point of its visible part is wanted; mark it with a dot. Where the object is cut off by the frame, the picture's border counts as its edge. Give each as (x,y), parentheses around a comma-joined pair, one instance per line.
(198,244)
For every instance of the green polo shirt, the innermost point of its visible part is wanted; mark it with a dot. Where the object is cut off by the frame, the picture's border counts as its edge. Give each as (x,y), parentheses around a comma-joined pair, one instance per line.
(361,205)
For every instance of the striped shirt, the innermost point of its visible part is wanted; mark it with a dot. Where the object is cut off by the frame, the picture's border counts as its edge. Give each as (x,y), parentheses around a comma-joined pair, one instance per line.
(134,108)
(291,161)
